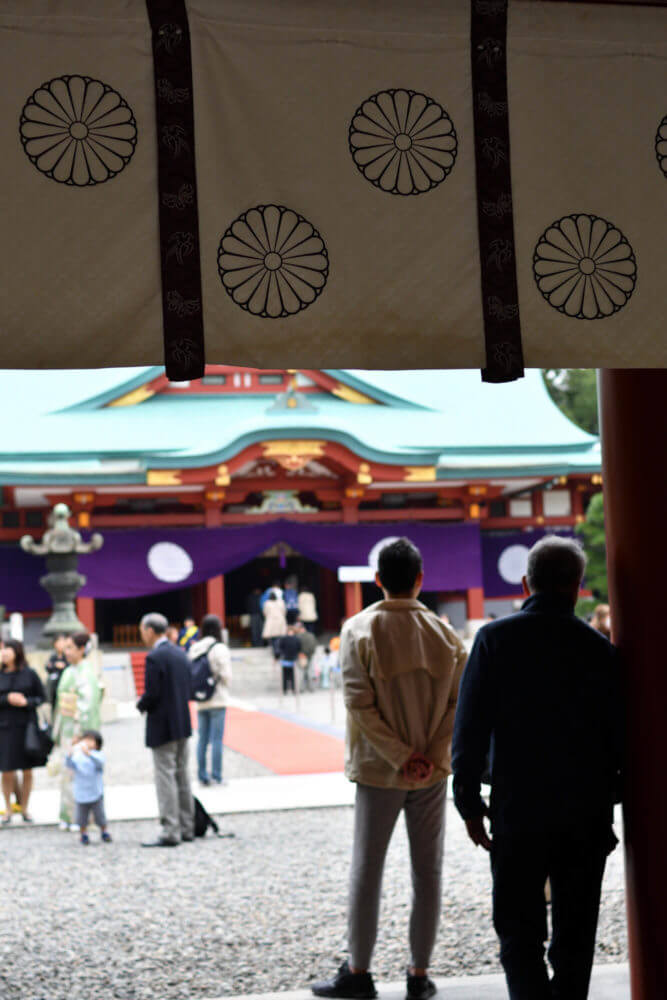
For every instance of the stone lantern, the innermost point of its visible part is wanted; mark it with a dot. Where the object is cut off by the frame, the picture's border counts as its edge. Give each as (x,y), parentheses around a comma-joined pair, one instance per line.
(62,545)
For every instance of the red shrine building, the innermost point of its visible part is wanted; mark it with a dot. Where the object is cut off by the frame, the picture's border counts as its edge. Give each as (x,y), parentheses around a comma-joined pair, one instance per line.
(208,489)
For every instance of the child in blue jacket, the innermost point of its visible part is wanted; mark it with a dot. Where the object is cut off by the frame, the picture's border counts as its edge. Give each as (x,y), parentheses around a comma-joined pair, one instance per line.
(86,760)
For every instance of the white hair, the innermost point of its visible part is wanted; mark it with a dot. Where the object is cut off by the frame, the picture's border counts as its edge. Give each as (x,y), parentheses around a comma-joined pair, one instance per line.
(156,621)
(555,565)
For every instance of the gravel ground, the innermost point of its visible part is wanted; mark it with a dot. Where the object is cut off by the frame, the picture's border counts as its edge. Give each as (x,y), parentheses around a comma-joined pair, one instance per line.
(263,911)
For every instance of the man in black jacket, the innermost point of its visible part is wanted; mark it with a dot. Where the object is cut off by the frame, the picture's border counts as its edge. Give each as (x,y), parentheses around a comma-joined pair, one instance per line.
(166,703)
(542,692)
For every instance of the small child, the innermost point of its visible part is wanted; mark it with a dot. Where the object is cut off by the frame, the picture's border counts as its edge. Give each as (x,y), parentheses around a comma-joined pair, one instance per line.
(87,761)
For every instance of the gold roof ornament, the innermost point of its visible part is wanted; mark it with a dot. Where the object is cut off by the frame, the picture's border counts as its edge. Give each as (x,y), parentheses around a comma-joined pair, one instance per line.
(164,477)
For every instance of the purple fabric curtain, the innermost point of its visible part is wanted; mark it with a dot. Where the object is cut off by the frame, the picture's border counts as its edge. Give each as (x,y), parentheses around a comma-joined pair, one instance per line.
(134,563)
(504,558)
(20,588)
(456,556)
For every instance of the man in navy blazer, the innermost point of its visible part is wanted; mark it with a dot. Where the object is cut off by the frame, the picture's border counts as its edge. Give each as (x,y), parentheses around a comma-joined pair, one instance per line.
(168,728)
(542,693)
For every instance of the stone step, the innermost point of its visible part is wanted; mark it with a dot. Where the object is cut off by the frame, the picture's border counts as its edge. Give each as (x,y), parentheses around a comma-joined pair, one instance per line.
(609,982)
(254,672)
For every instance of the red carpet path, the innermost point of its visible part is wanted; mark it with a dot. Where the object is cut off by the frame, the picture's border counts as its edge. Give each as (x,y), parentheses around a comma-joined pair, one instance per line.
(284,747)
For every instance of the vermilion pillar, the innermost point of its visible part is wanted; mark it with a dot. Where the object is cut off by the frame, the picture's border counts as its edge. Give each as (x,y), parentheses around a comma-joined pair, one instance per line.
(85,610)
(215,587)
(215,597)
(353,598)
(475,603)
(633,417)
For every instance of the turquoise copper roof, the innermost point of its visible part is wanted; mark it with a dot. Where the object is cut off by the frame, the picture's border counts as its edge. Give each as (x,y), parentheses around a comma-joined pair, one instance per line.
(59,427)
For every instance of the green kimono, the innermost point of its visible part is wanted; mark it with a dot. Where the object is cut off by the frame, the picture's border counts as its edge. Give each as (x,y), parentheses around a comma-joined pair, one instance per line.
(78,702)
(77,708)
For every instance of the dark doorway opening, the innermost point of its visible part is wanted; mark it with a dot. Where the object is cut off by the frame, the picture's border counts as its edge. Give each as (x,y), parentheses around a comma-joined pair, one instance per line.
(175,605)
(268,569)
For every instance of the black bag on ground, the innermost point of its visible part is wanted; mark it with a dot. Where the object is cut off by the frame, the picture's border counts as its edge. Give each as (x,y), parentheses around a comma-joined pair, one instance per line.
(202,681)
(38,743)
(203,821)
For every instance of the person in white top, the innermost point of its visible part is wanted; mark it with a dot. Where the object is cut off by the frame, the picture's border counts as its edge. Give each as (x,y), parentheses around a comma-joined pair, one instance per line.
(307,608)
(275,621)
(211,714)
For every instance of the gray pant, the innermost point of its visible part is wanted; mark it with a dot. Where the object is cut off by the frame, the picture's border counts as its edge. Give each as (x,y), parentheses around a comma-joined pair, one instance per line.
(375,813)
(84,809)
(174,795)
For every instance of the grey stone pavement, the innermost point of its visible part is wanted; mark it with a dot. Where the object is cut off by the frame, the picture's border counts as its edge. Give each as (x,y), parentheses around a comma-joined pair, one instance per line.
(610,982)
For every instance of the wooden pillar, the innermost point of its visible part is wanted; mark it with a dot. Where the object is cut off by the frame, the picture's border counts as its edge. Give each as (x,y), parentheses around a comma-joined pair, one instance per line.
(353,598)
(632,405)
(475,603)
(350,506)
(199,600)
(215,597)
(577,499)
(329,602)
(85,610)
(215,587)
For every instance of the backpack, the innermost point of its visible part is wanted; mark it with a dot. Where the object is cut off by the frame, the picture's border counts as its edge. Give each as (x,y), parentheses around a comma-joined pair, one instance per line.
(203,821)
(202,681)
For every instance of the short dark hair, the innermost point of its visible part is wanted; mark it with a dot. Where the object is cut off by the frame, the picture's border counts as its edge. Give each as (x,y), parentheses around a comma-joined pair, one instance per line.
(80,639)
(92,734)
(399,565)
(211,625)
(555,565)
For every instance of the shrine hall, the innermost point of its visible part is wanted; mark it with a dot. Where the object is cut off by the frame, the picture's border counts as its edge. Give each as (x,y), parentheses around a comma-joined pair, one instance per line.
(206,489)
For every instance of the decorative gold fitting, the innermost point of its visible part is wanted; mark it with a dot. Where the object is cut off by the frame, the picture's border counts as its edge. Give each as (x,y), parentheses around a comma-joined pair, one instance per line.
(222,477)
(163,477)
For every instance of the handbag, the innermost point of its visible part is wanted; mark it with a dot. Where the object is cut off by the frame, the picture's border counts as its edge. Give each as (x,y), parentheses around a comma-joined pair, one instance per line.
(38,742)
(54,765)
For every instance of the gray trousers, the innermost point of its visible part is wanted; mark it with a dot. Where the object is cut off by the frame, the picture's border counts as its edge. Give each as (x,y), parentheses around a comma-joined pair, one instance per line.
(174,795)
(84,809)
(375,813)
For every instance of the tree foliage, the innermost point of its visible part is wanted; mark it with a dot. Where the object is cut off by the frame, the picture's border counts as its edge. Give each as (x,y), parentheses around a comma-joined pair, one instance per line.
(574,391)
(592,532)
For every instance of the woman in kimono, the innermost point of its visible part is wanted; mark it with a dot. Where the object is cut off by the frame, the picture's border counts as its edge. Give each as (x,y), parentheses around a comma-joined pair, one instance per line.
(78,704)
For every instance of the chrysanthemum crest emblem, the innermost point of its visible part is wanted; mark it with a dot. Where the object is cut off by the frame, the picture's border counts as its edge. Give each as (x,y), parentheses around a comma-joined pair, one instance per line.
(585,267)
(272,262)
(403,142)
(78,131)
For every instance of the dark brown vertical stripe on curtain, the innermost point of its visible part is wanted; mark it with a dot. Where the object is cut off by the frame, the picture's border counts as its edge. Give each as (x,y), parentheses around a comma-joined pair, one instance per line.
(500,297)
(177,191)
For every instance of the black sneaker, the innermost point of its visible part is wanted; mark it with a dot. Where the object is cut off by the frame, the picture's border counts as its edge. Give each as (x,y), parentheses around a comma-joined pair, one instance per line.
(420,988)
(350,985)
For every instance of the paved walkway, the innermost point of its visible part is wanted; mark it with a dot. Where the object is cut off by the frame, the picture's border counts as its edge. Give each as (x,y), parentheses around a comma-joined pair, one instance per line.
(242,795)
(261,732)
(610,982)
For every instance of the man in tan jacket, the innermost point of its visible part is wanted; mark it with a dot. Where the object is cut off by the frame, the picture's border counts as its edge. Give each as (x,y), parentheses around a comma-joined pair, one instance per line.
(401,669)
